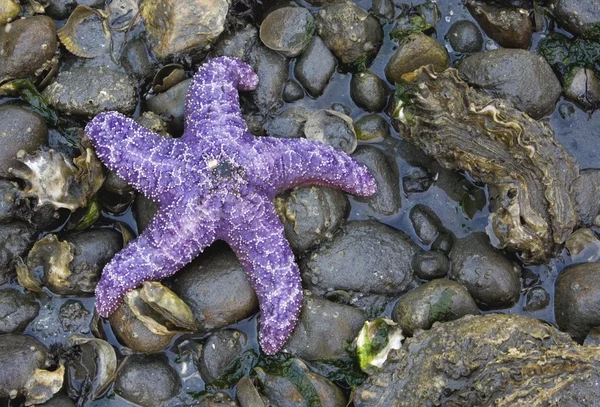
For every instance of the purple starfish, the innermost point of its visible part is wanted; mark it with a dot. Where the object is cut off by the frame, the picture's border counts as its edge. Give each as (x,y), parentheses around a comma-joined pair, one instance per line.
(217,182)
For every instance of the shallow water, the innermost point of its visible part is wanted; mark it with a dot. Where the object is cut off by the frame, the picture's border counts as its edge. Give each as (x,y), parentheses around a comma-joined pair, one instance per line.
(577,130)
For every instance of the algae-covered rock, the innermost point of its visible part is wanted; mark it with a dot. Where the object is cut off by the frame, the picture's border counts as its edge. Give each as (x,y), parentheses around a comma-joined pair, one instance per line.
(489,360)
(530,175)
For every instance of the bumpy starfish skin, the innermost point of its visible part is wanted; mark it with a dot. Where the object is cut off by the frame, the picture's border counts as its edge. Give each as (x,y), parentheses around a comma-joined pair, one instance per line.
(217,182)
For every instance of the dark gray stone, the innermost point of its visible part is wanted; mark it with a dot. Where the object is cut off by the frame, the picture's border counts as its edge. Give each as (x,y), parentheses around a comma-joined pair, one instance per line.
(465,37)
(17,310)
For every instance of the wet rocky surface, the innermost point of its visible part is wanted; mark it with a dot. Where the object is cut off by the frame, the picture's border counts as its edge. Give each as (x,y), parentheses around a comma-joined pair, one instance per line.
(417,252)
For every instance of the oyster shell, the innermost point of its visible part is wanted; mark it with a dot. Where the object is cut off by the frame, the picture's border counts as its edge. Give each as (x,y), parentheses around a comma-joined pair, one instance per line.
(86,33)
(529,174)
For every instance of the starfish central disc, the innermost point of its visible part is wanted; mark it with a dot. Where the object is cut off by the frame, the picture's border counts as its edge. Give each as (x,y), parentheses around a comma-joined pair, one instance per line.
(217,182)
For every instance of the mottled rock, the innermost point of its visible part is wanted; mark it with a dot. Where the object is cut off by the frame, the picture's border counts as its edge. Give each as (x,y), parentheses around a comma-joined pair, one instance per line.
(537,299)
(11,204)
(583,86)
(386,200)
(509,27)
(87,91)
(368,91)
(534,90)
(580,17)
(171,104)
(15,239)
(323,328)
(311,215)
(366,257)
(219,351)
(383,9)
(351,33)
(292,91)
(430,265)
(272,70)
(58,400)
(371,128)
(465,37)
(20,129)
(289,123)
(26,45)
(426,224)
(332,128)
(491,278)
(216,289)
(315,67)
(147,380)
(586,189)
(438,300)
(175,27)
(17,310)
(20,355)
(583,246)
(418,179)
(287,30)
(416,51)
(577,299)
(448,364)
(9,10)
(135,59)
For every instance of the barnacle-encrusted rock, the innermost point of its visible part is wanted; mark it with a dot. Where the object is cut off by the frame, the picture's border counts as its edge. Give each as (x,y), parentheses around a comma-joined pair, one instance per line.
(529,173)
(54,179)
(183,26)
(488,360)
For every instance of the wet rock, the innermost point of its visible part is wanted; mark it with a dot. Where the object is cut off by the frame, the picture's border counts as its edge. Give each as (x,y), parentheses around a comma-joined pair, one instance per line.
(292,91)
(288,123)
(586,189)
(87,91)
(323,328)
(26,45)
(537,299)
(386,200)
(447,364)
(583,86)
(444,242)
(116,194)
(509,27)
(135,60)
(315,67)
(15,239)
(20,356)
(365,257)
(311,215)
(383,9)
(371,128)
(17,310)
(147,380)
(236,43)
(223,400)
(216,289)
(280,391)
(74,317)
(12,206)
(287,30)
(272,70)
(332,128)
(416,51)
(592,338)
(20,129)
(426,224)
(9,11)
(59,400)
(532,209)
(490,277)
(91,250)
(145,209)
(134,334)
(577,299)
(368,91)
(465,37)
(438,300)
(219,351)
(583,246)
(430,265)
(534,90)
(60,9)
(341,108)
(91,3)
(174,27)
(418,179)
(171,104)
(580,17)
(351,33)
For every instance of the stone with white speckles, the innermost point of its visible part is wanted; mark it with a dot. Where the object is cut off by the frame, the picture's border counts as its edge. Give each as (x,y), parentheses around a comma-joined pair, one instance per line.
(217,182)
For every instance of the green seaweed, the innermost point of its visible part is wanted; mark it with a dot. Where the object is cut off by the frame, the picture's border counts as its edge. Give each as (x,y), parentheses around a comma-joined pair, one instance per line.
(238,368)
(29,93)
(442,308)
(415,19)
(88,217)
(564,54)
(343,372)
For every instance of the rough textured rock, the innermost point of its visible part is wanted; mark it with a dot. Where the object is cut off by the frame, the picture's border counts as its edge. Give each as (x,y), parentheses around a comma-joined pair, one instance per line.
(580,17)
(483,360)
(509,27)
(416,51)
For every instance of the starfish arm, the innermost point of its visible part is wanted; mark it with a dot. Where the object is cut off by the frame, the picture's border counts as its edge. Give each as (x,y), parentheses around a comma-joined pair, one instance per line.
(296,162)
(256,235)
(176,235)
(212,103)
(140,156)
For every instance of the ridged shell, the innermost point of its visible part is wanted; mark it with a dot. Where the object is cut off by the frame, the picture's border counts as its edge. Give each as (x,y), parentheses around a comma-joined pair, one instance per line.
(86,32)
